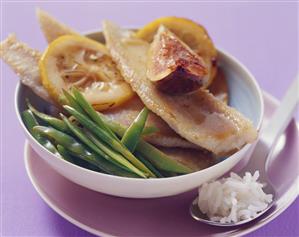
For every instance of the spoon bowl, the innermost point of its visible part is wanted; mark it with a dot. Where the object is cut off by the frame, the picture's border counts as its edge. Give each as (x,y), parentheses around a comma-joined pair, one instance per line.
(199,216)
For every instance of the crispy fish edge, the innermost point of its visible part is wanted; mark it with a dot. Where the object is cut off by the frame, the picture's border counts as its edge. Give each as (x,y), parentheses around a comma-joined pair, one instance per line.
(23,60)
(52,28)
(15,53)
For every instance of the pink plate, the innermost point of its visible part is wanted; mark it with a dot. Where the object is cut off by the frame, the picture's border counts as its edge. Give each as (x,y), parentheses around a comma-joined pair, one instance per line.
(112,216)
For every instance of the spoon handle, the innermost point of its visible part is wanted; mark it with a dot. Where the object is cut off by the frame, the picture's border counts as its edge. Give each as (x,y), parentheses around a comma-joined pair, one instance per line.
(269,136)
(282,115)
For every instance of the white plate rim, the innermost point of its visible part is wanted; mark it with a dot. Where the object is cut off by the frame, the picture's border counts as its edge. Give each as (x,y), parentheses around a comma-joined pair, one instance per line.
(288,198)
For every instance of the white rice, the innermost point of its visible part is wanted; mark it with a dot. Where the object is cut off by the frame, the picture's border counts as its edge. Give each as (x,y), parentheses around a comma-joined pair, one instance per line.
(233,199)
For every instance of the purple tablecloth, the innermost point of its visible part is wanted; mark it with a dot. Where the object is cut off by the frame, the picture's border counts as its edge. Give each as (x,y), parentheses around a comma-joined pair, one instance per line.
(264,36)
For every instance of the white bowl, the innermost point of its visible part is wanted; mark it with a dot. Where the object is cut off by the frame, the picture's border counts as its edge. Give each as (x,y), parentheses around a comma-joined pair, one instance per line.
(245,95)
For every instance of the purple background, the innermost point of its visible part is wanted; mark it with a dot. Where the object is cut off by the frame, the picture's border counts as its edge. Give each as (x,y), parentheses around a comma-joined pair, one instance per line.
(264,36)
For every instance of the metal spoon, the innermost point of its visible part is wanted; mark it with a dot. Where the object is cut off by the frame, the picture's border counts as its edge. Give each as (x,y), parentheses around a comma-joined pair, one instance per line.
(262,153)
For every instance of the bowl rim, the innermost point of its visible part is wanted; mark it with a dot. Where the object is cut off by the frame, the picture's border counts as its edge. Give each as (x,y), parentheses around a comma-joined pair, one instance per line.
(164,179)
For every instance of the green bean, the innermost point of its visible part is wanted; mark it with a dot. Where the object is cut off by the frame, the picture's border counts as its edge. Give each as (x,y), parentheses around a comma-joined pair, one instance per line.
(115,155)
(62,100)
(118,128)
(65,154)
(108,139)
(80,102)
(150,130)
(149,165)
(75,160)
(72,102)
(83,103)
(103,150)
(160,159)
(80,151)
(169,174)
(52,121)
(73,120)
(148,151)
(83,138)
(102,165)
(114,126)
(132,135)
(30,122)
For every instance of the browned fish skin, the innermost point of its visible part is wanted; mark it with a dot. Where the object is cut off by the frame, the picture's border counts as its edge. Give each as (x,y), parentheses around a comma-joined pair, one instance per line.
(24,61)
(200,117)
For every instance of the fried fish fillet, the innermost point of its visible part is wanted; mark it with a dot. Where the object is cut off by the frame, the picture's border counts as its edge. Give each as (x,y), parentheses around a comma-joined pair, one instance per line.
(24,61)
(126,114)
(199,117)
(166,137)
(51,28)
(29,74)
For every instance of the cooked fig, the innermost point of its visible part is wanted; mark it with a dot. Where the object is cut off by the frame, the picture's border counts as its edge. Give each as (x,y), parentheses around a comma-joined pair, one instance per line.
(173,66)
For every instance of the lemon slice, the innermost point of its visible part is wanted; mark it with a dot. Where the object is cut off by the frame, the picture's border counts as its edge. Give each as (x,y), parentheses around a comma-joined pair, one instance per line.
(86,64)
(193,34)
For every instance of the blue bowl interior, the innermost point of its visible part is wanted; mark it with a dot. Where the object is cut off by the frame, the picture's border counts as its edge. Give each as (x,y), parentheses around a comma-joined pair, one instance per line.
(243,92)
(26,93)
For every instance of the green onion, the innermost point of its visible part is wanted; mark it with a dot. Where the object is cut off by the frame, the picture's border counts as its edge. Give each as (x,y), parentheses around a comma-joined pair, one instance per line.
(132,135)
